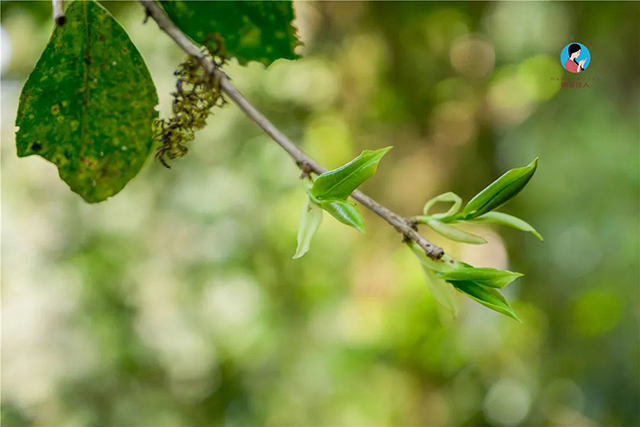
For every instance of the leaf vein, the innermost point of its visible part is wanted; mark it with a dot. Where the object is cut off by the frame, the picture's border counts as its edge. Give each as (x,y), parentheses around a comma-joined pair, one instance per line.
(87,69)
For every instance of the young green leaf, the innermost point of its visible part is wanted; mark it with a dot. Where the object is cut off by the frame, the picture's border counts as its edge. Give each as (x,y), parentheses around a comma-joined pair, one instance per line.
(310,220)
(88,105)
(488,297)
(508,220)
(442,291)
(340,183)
(500,191)
(444,198)
(344,212)
(485,276)
(454,234)
(247,30)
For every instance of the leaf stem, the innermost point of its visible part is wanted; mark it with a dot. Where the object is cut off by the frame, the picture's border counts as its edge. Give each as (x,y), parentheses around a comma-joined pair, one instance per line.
(306,163)
(421,219)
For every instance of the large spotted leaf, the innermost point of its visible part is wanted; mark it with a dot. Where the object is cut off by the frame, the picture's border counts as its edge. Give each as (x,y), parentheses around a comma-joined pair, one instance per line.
(88,106)
(249,30)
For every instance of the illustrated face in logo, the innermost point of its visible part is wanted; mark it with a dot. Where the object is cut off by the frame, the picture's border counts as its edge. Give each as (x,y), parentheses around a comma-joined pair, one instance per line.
(575,57)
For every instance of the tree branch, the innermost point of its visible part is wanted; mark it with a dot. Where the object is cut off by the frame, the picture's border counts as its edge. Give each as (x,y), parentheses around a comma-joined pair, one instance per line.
(402,225)
(58,12)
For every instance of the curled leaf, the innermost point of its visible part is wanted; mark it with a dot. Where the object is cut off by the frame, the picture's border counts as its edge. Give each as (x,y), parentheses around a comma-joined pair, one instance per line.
(488,297)
(344,212)
(500,191)
(310,220)
(444,198)
(340,183)
(485,276)
(455,234)
(508,220)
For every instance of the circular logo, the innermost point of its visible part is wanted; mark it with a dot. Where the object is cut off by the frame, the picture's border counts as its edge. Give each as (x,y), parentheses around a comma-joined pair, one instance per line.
(575,57)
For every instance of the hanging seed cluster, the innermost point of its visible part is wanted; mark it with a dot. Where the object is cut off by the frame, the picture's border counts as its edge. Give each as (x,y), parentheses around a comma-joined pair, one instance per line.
(196,93)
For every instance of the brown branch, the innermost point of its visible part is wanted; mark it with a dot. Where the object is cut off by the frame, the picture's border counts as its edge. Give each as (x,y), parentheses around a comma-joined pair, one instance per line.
(58,12)
(306,163)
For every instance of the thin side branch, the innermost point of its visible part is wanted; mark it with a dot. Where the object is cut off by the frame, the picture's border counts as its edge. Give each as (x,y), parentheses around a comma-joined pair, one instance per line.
(58,12)
(404,226)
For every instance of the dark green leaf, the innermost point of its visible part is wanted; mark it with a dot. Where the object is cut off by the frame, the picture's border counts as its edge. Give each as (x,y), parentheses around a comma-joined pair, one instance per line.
(340,183)
(344,212)
(88,106)
(454,234)
(488,297)
(249,30)
(310,220)
(484,276)
(500,191)
(508,220)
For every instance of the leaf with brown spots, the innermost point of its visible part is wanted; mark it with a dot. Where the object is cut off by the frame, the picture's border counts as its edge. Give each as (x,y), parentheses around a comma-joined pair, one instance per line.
(89,104)
(249,30)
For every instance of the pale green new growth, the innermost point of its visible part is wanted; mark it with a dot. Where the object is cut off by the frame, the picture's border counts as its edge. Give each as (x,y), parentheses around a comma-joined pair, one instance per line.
(446,197)
(480,284)
(330,191)
(344,211)
(500,218)
(500,191)
(340,183)
(441,290)
(454,234)
(310,220)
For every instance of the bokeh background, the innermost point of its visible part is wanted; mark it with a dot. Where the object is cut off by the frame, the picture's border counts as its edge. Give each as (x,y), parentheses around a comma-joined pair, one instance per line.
(177,303)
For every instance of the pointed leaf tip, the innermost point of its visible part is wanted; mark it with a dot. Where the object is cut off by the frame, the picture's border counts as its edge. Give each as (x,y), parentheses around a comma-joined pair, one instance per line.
(501,218)
(485,276)
(488,297)
(500,191)
(340,183)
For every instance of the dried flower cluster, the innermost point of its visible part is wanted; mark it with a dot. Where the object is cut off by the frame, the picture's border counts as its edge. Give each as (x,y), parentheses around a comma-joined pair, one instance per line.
(196,93)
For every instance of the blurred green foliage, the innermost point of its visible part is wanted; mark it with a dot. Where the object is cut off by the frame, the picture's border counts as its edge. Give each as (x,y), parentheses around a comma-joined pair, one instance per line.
(177,302)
